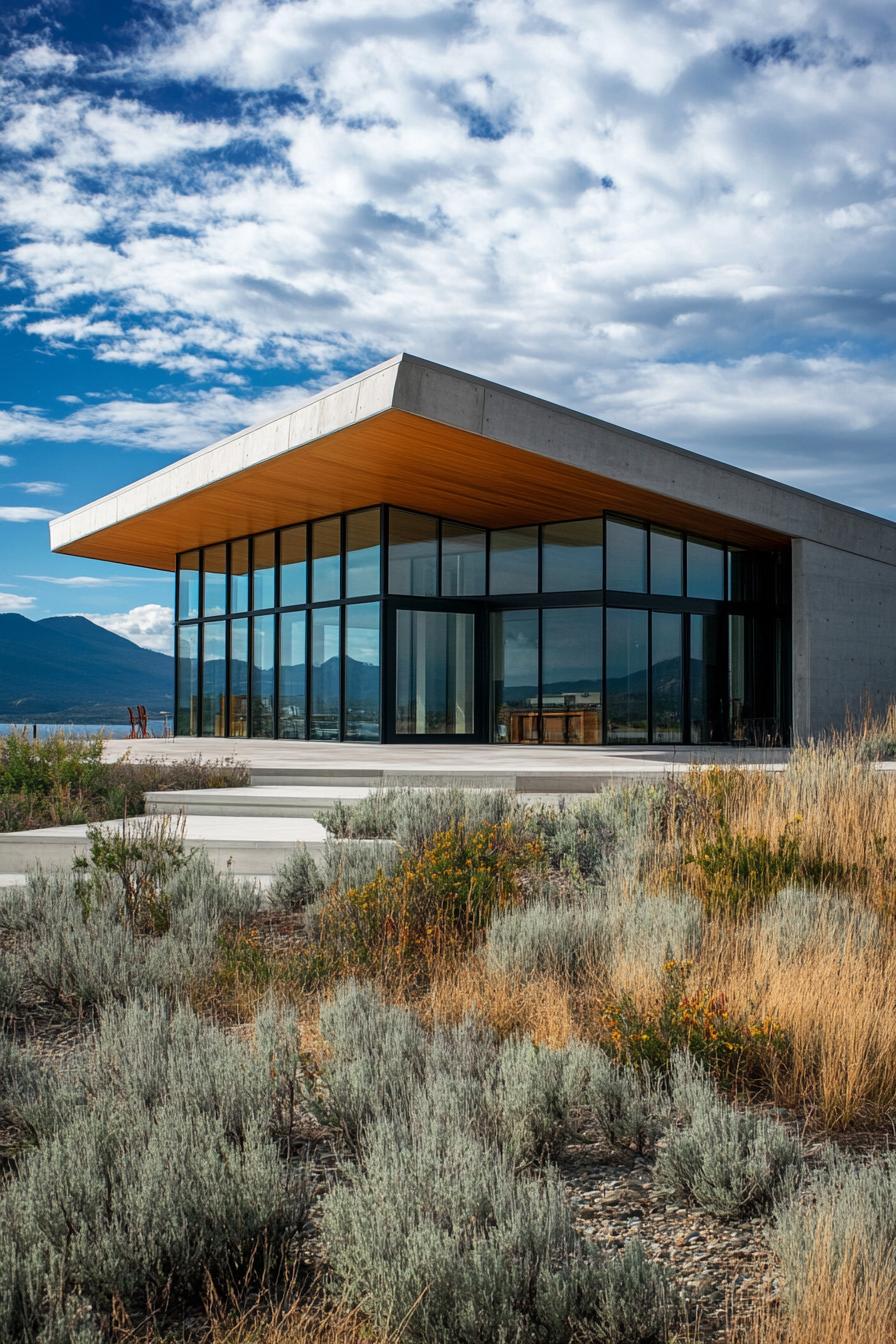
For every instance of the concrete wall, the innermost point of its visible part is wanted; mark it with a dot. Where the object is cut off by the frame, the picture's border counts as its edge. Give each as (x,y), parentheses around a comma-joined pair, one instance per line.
(844,635)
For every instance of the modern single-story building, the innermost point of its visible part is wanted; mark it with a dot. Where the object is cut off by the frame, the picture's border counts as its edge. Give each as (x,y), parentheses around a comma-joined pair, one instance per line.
(421,555)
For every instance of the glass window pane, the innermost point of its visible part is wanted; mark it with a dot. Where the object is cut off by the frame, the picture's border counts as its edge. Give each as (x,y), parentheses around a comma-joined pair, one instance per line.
(666,562)
(626,675)
(239,576)
(293,566)
(263,676)
(292,674)
(754,679)
(187,714)
(707,684)
(515,676)
(362,553)
(513,560)
(362,672)
(325,670)
(572,555)
(263,571)
(571,665)
(435,672)
(626,556)
(325,560)
(413,553)
(214,678)
(706,569)
(214,581)
(463,560)
(239,678)
(188,586)
(666,667)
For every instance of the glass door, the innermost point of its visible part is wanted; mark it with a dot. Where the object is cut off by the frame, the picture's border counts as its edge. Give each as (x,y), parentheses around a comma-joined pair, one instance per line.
(435,674)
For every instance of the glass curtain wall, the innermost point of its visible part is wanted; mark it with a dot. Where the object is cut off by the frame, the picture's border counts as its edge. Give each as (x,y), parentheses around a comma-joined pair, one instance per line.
(596,629)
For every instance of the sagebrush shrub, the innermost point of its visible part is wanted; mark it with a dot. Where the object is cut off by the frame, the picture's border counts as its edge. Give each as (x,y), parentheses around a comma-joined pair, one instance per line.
(371,818)
(435,1227)
(604,838)
(628,1106)
(549,939)
(729,1161)
(25,1085)
(295,883)
(348,864)
(12,981)
(156,1172)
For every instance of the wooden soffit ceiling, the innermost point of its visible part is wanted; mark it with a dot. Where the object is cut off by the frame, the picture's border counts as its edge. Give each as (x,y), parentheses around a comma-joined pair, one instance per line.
(394,458)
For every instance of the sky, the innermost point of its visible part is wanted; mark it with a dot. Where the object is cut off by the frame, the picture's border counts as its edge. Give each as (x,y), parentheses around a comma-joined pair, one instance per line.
(679,216)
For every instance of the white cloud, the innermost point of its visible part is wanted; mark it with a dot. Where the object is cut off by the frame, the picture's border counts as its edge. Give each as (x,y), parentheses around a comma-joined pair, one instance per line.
(676,216)
(15,602)
(15,514)
(6,461)
(39,487)
(88,580)
(151,626)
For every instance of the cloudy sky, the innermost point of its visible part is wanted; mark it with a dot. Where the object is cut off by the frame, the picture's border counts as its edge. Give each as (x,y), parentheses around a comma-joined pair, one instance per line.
(680,216)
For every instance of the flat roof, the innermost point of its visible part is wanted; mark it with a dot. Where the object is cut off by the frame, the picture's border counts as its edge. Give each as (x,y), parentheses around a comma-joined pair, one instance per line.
(419,435)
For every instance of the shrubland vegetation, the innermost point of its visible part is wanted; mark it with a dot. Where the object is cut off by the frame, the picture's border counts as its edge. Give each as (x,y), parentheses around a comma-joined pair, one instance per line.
(63,780)
(345,1110)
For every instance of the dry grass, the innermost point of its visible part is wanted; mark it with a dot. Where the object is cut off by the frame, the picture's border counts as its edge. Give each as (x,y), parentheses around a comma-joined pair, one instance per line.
(837,1306)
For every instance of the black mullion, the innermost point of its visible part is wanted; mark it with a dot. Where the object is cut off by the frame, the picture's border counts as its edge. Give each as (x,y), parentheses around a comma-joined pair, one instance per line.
(649,669)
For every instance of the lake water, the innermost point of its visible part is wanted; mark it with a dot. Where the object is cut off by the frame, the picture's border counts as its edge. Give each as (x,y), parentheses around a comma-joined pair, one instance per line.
(156,728)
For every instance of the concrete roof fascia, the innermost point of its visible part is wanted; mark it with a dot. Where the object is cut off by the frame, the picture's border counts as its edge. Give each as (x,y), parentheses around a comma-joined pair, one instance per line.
(464,401)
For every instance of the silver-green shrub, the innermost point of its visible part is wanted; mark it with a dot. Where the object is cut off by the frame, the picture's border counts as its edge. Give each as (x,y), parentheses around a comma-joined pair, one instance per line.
(846,1214)
(421,813)
(602,838)
(627,1106)
(371,818)
(549,939)
(801,919)
(156,1171)
(434,1227)
(348,864)
(651,929)
(296,883)
(729,1161)
(25,1088)
(12,981)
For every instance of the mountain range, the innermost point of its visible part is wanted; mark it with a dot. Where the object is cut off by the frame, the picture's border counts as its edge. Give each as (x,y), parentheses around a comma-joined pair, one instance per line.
(66,669)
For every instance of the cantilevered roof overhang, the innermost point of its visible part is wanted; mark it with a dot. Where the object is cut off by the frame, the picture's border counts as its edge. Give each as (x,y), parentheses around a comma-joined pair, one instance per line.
(422,436)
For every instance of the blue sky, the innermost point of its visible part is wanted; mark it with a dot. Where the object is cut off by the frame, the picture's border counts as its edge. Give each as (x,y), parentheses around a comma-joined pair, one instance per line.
(680,216)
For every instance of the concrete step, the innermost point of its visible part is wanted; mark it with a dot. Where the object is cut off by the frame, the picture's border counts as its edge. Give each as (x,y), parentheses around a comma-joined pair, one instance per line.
(530,781)
(263,800)
(249,846)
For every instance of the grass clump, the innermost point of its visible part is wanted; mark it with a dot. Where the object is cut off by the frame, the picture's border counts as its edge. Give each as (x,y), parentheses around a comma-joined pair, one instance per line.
(63,780)
(296,883)
(731,1162)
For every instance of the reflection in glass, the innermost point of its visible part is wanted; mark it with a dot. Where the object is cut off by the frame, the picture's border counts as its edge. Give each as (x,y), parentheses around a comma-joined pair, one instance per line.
(626,686)
(626,556)
(434,672)
(572,555)
(263,571)
(413,553)
(214,678)
(263,676)
(463,560)
(188,586)
(186,722)
(515,676)
(293,566)
(755,682)
(239,678)
(513,560)
(707,686)
(362,672)
(239,576)
(325,659)
(706,569)
(666,562)
(362,553)
(292,674)
(214,581)
(665,672)
(326,573)
(571,674)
